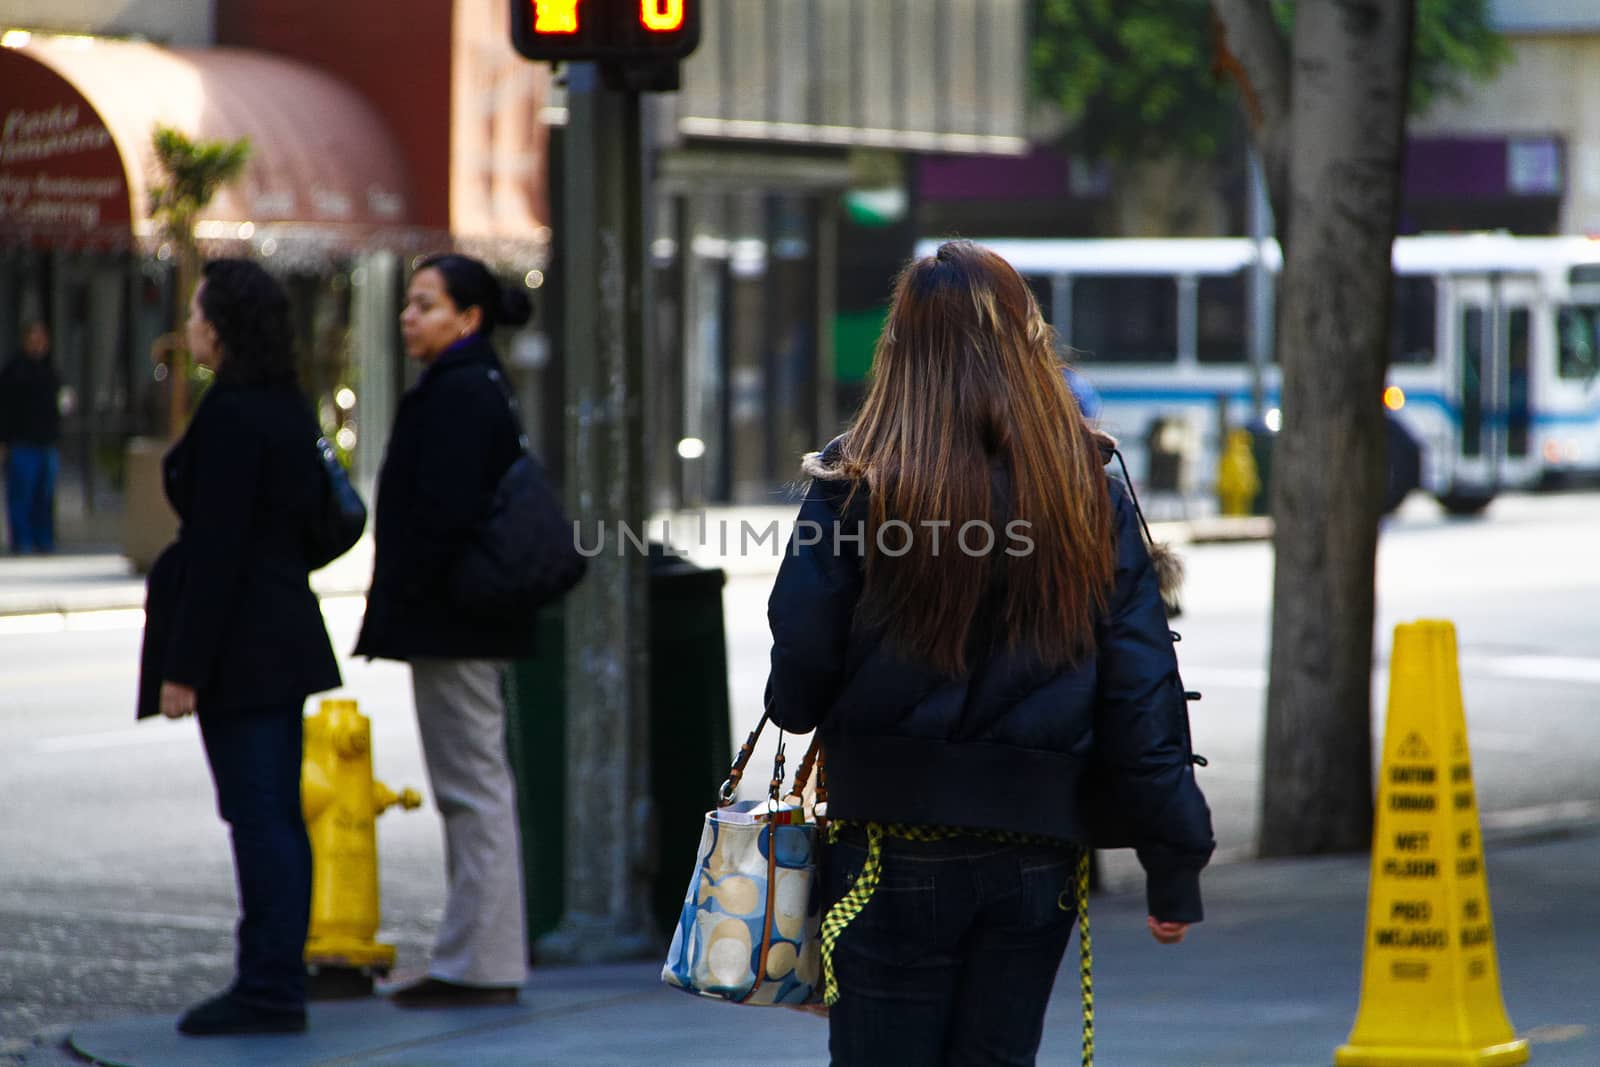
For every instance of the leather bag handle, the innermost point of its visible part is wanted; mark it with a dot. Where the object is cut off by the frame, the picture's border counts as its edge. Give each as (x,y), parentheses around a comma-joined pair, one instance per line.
(812,761)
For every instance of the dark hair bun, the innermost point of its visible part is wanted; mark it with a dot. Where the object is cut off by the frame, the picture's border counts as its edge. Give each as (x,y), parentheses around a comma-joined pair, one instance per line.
(515,308)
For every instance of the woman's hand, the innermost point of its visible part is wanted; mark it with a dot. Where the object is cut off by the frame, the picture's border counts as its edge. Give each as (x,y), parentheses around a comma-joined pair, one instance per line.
(176,700)
(1164,932)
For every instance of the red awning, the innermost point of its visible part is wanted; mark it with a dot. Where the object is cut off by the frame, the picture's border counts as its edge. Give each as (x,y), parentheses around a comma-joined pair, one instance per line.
(76,163)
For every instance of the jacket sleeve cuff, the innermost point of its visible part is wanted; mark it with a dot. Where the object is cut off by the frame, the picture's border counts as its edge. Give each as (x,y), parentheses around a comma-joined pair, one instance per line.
(1174,896)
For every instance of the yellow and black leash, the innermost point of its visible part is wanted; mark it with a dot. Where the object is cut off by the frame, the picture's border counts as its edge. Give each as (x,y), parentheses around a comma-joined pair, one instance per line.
(1085,956)
(853,902)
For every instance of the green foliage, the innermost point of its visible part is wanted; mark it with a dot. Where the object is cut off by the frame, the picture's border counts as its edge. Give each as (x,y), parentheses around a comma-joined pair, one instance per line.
(1134,75)
(1453,41)
(192,172)
(1137,76)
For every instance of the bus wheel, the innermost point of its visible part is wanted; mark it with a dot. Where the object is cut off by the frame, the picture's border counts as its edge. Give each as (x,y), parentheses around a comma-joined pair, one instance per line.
(1464,504)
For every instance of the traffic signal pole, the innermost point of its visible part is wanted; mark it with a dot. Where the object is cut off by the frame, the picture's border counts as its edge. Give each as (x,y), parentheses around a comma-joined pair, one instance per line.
(608,809)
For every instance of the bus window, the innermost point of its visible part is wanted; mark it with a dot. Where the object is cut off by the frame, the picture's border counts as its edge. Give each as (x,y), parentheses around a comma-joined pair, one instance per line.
(1472,382)
(1578,331)
(1517,414)
(1042,287)
(1411,320)
(1125,319)
(1220,326)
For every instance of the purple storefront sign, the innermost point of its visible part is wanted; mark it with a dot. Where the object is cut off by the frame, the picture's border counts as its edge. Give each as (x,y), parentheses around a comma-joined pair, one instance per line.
(1482,168)
(1042,174)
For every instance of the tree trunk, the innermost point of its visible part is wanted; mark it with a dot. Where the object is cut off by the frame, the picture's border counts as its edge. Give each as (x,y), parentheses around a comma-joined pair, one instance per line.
(1347,120)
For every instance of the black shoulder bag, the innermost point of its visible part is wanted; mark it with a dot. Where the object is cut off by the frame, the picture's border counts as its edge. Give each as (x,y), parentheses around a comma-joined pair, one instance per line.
(522,555)
(341,517)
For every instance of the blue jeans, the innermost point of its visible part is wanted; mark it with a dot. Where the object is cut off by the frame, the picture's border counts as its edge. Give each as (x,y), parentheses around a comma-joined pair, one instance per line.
(31,472)
(953,959)
(255,762)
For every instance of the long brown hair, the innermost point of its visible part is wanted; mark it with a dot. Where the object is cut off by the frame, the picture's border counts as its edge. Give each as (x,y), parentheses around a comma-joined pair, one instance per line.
(965,375)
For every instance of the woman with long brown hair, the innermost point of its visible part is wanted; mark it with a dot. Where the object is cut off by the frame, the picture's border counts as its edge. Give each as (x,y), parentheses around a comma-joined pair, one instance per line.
(974,623)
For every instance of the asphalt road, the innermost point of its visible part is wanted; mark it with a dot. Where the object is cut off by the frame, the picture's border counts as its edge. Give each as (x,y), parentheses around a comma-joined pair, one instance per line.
(116,890)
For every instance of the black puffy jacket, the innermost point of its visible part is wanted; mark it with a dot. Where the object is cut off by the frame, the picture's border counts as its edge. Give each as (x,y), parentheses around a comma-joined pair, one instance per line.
(1006,745)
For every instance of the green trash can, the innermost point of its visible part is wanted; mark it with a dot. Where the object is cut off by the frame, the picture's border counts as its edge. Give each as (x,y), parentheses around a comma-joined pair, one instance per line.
(536,740)
(690,746)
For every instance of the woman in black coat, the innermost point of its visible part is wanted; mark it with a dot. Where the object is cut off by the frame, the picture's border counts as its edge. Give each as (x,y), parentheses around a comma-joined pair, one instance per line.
(233,632)
(455,435)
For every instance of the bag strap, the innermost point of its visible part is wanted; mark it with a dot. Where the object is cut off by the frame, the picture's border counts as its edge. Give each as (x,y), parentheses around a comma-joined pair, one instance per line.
(736,772)
(771,831)
(1127,480)
(802,774)
(811,761)
(511,402)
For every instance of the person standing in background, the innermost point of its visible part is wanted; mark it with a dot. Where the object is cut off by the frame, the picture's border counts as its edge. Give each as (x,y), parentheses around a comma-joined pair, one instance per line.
(30,426)
(455,435)
(234,634)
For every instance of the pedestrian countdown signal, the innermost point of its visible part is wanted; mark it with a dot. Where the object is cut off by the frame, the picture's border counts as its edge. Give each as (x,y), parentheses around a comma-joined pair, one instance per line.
(618,30)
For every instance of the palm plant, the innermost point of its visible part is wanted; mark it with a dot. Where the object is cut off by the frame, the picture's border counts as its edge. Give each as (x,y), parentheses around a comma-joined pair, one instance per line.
(192,172)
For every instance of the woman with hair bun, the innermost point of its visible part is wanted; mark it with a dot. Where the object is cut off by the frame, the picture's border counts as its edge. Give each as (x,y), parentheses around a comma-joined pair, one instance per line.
(455,434)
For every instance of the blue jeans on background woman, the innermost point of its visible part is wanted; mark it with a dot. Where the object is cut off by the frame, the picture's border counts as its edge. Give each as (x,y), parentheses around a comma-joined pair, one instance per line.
(31,472)
(954,956)
(255,761)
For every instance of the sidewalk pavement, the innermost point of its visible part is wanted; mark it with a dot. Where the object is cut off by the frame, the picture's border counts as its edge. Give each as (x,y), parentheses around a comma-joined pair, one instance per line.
(1272,978)
(741,541)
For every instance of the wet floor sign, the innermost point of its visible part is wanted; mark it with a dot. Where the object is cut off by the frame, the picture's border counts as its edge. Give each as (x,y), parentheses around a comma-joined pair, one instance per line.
(1430,981)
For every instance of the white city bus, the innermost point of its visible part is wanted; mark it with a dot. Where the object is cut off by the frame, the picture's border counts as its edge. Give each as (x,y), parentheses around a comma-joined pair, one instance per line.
(1495,373)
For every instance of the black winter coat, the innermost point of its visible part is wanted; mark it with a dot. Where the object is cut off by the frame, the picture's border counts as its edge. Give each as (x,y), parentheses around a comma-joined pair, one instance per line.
(228,609)
(28,412)
(454,437)
(1006,746)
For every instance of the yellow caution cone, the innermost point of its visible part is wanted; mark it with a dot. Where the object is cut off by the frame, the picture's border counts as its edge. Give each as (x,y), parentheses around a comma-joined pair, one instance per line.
(1430,980)
(1238,481)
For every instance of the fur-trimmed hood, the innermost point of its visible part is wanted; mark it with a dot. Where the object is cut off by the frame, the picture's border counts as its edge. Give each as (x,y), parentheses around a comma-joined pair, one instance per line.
(1165,560)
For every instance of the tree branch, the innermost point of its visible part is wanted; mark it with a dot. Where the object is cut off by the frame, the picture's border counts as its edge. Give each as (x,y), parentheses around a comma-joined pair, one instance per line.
(1254,52)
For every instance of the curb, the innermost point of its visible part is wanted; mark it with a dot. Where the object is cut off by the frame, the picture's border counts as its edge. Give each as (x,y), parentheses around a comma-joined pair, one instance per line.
(67,584)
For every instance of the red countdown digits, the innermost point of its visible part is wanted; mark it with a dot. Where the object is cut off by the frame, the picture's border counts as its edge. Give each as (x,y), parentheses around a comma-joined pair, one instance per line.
(555,16)
(640,32)
(661,16)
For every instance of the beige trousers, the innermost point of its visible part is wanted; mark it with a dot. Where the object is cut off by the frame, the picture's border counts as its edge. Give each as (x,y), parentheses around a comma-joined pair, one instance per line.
(461,715)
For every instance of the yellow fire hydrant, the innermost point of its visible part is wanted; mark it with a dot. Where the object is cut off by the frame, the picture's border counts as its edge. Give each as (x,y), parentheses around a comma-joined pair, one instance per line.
(1237,480)
(341,800)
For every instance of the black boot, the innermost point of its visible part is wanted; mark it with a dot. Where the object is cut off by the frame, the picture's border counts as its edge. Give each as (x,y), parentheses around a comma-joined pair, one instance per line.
(226,1014)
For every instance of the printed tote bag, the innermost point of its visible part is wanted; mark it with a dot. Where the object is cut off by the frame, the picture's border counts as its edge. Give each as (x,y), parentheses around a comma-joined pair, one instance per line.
(749,929)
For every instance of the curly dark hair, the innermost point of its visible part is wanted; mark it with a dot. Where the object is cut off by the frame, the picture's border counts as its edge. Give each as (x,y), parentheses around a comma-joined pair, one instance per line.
(251,314)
